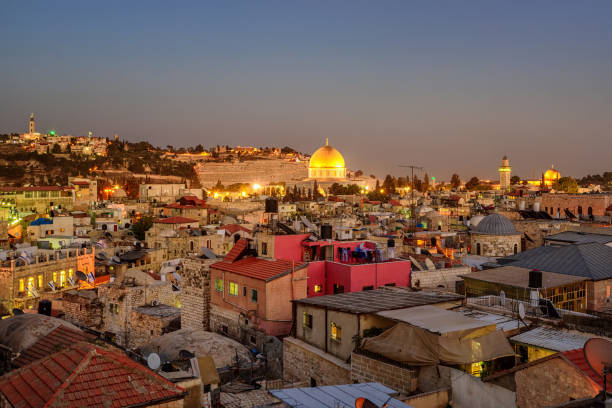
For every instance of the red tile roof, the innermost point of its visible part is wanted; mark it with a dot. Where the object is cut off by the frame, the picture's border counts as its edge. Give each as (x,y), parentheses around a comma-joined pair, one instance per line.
(237,250)
(234,228)
(86,375)
(259,268)
(59,338)
(80,183)
(576,357)
(175,220)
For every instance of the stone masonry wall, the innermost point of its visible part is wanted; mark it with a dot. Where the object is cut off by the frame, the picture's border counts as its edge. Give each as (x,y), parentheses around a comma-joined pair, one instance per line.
(367,369)
(144,327)
(303,362)
(195,293)
(440,277)
(495,245)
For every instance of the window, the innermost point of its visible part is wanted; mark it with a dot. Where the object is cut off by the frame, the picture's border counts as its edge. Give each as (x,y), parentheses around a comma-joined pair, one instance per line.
(219,285)
(233,289)
(590,210)
(54,277)
(21,285)
(40,281)
(336,332)
(317,288)
(515,249)
(370,287)
(264,248)
(254,295)
(338,289)
(244,291)
(579,210)
(62,278)
(30,285)
(253,340)
(307,320)
(608,291)
(478,248)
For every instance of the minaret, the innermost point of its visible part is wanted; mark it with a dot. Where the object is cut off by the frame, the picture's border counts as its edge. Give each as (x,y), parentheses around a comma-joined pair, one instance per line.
(504,175)
(32,124)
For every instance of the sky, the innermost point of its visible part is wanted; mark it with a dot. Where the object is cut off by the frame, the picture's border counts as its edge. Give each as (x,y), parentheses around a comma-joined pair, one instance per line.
(448,85)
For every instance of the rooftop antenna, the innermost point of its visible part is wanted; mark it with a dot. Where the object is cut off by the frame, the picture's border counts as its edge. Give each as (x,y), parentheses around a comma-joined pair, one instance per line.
(412,214)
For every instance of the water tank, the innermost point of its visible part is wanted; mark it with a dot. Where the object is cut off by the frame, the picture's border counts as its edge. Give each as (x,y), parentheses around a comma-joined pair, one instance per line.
(44,307)
(326,231)
(271,205)
(535,278)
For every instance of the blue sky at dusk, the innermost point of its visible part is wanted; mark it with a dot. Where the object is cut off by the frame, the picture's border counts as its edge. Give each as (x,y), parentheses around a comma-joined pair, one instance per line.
(449,85)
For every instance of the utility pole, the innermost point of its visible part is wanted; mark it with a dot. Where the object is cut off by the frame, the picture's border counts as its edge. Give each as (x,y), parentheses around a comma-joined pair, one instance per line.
(412,214)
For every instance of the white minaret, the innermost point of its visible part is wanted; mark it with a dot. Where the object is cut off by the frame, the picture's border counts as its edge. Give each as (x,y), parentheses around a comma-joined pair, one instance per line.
(504,174)
(32,124)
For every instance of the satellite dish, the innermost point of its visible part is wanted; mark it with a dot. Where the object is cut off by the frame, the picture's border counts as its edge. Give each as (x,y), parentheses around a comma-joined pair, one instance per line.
(598,353)
(521,310)
(153,361)
(81,276)
(502,298)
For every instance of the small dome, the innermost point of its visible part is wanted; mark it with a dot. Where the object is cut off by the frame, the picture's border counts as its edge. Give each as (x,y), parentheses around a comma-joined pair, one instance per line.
(326,157)
(495,224)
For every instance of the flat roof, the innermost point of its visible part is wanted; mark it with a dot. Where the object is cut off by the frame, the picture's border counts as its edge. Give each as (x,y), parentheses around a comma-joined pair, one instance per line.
(334,396)
(519,277)
(502,322)
(434,319)
(385,298)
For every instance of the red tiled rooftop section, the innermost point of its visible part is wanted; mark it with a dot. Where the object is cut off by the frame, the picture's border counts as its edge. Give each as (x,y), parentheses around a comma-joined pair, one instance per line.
(233,228)
(576,357)
(56,340)
(80,183)
(86,375)
(258,268)
(236,251)
(175,220)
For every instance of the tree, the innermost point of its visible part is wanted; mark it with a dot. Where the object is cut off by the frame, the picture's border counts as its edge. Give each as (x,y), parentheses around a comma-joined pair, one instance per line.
(141,226)
(566,184)
(455,181)
(358,173)
(389,184)
(515,180)
(425,184)
(472,183)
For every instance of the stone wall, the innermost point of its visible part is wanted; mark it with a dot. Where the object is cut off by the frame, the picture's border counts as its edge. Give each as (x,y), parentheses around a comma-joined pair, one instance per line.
(439,277)
(551,383)
(253,171)
(597,202)
(538,229)
(144,327)
(495,245)
(599,295)
(225,321)
(195,293)
(303,362)
(368,369)
(82,310)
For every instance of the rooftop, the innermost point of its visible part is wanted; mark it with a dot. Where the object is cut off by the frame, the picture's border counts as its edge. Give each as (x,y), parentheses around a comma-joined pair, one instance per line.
(495,224)
(519,277)
(175,220)
(86,375)
(386,298)
(159,310)
(573,237)
(551,339)
(590,260)
(333,396)
(259,268)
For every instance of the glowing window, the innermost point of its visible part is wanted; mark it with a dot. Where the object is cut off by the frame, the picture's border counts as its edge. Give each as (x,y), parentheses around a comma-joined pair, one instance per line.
(55,277)
(62,278)
(30,285)
(317,288)
(21,285)
(336,332)
(307,320)
(40,281)
(219,285)
(233,288)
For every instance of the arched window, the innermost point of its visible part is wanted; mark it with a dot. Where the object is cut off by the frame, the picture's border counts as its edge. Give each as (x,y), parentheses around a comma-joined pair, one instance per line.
(546,209)
(579,210)
(191,246)
(515,249)
(590,211)
(478,248)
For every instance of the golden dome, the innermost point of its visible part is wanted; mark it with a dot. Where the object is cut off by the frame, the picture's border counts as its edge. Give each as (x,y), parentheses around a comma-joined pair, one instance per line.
(552,174)
(326,157)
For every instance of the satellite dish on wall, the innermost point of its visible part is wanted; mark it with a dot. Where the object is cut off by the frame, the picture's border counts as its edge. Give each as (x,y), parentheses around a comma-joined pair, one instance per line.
(598,353)
(153,361)
(521,310)
(81,276)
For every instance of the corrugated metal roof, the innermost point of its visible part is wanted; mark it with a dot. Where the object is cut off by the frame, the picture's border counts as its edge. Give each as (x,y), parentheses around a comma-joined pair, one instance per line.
(385,298)
(590,260)
(338,396)
(574,237)
(502,322)
(551,339)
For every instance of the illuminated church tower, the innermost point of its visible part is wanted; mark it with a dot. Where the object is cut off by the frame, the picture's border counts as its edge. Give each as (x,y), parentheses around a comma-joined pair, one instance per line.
(504,175)
(32,124)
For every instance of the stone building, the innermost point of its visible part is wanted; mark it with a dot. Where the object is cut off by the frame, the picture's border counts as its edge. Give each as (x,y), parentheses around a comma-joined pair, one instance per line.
(31,274)
(495,236)
(38,199)
(134,289)
(83,308)
(149,321)
(195,293)
(583,206)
